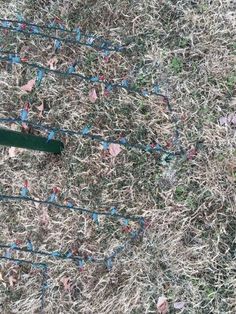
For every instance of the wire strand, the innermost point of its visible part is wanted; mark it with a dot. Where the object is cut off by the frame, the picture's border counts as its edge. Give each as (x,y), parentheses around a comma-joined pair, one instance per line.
(97,138)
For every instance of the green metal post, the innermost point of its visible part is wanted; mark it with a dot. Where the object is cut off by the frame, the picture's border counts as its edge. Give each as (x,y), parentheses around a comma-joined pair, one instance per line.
(29,141)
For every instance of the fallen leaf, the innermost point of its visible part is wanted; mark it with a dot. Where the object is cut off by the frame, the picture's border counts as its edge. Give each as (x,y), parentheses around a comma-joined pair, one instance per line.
(232,118)
(191,153)
(41,109)
(52,62)
(114,149)
(12,152)
(93,95)
(12,280)
(24,126)
(29,86)
(229,119)
(1,278)
(179,305)
(13,127)
(223,120)
(44,219)
(66,283)
(162,305)
(36,204)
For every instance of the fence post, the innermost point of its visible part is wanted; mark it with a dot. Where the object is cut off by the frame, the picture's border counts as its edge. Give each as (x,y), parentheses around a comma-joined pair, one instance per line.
(29,141)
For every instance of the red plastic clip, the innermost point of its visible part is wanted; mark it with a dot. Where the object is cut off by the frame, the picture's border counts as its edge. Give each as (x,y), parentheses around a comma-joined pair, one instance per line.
(26,184)
(27,106)
(55,190)
(102,78)
(126,229)
(23,26)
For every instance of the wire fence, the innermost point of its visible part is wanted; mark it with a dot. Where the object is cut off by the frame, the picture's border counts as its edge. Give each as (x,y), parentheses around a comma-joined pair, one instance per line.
(166,154)
(62,35)
(95,215)
(109,87)
(14,58)
(80,260)
(69,36)
(42,266)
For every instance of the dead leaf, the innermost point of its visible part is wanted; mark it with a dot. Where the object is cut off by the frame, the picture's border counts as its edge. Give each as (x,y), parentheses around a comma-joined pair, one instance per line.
(93,95)
(1,278)
(12,152)
(44,219)
(66,283)
(41,109)
(12,281)
(229,119)
(13,127)
(52,63)
(179,305)
(232,118)
(191,153)
(29,86)
(24,126)
(114,149)
(162,305)
(223,120)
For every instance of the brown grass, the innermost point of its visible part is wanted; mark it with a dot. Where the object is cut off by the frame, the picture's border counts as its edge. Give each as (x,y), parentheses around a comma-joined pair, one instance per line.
(188,253)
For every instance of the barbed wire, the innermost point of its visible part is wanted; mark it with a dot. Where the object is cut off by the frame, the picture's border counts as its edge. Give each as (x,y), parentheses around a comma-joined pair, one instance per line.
(33,29)
(44,269)
(14,58)
(85,133)
(51,201)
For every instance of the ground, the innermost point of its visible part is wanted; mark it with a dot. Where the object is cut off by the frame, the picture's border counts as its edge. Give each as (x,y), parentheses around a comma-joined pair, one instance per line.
(187,252)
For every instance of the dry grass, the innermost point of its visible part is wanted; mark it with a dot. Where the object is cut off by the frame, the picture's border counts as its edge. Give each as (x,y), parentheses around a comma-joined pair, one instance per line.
(188,253)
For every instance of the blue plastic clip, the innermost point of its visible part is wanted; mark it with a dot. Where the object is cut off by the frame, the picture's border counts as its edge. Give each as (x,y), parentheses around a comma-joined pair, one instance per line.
(13,246)
(90,259)
(158,148)
(24,192)
(109,87)
(125,83)
(69,254)
(29,245)
(126,222)
(6,24)
(90,40)
(156,89)
(148,148)
(78,34)
(57,44)
(40,75)
(123,140)
(94,79)
(105,145)
(24,115)
(113,210)
(14,59)
(35,29)
(71,69)
(52,197)
(145,93)
(109,264)
(95,218)
(86,129)
(7,254)
(133,234)
(51,136)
